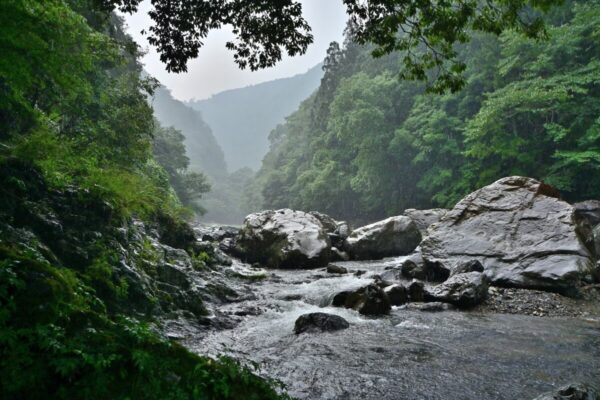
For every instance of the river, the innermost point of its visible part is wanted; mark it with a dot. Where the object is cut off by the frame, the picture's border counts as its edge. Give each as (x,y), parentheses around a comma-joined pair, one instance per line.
(405,355)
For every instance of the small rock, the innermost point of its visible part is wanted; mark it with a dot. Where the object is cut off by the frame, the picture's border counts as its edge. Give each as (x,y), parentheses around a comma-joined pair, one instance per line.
(397,294)
(336,269)
(575,391)
(315,322)
(368,300)
(463,290)
(416,291)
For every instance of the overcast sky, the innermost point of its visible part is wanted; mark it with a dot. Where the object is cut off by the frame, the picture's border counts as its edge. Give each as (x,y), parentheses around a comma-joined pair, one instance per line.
(214,70)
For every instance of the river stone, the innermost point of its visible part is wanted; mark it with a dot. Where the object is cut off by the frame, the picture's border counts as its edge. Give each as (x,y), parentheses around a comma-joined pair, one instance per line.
(424,218)
(336,269)
(463,290)
(395,236)
(416,291)
(574,391)
(284,239)
(397,294)
(318,321)
(519,230)
(368,300)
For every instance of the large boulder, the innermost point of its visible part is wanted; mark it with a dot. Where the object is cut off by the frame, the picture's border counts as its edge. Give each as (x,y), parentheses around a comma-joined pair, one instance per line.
(284,239)
(425,218)
(395,236)
(520,231)
(319,322)
(463,290)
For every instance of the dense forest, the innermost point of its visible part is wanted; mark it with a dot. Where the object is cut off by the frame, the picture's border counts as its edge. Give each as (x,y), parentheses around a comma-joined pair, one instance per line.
(81,158)
(368,145)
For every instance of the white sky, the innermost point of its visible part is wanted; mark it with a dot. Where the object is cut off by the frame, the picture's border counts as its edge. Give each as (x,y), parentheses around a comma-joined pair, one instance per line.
(214,70)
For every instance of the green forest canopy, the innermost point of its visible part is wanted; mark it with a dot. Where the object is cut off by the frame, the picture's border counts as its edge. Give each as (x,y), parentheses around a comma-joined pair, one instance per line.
(367,145)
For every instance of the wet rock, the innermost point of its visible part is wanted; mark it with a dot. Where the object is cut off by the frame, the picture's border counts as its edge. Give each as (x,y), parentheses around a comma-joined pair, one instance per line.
(284,239)
(433,272)
(424,218)
(397,294)
(463,290)
(395,236)
(336,269)
(520,231)
(319,322)
(413,271)
(574,391)
(416,291)
(216,233)
(468,266)
(359,272)
(391,274)
(368,300)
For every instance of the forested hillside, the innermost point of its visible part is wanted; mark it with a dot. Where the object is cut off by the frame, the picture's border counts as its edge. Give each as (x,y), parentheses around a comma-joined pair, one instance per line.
(241,119)
(91,190)
(367,144)
(202,148)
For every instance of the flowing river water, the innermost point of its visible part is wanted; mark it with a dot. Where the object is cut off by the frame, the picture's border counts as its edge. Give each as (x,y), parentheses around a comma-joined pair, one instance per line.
(405,355)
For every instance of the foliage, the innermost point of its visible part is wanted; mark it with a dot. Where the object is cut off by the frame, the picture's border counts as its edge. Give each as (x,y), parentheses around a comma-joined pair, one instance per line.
(367,145)
(170,153)
(428,32)
(57,341)
(76,161)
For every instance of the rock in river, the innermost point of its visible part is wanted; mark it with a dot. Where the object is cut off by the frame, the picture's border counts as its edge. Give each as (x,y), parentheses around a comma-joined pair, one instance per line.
(318,321)
(336,269)
(520,231)
(463,290)
(368,300)
(575,391)
(395,236)
(284,238)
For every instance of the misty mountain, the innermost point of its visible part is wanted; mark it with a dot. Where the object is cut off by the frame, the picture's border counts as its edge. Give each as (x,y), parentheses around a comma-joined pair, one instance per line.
(241,119)
(201,146)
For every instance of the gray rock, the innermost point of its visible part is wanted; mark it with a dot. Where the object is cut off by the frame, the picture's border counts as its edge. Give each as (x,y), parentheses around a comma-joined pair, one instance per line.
(424,218)
(397,294)
(463,290)
(587,218)
(319,322)
(519,230)
(575,391)
(336,269)
(468,266)
(416,291)
(395,236)
(215,233)
(434,272)
(368,300)
(284,239)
